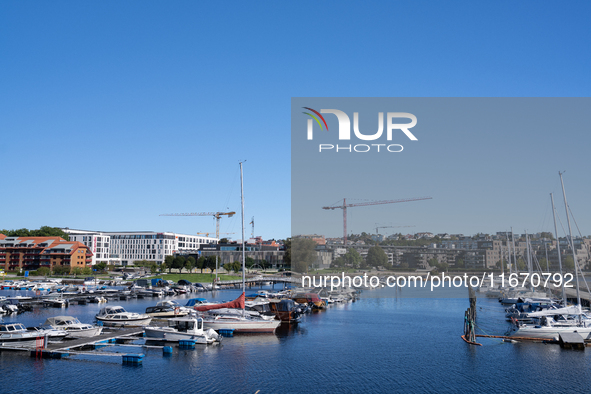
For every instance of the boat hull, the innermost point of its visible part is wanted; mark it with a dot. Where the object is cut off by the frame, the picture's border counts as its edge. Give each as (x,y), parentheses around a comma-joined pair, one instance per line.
(162,334)
(93,332)
(241,326)
(551,333)
(124,323)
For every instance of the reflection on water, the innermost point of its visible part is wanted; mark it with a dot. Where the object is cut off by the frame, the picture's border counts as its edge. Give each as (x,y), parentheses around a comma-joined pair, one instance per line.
(375,345)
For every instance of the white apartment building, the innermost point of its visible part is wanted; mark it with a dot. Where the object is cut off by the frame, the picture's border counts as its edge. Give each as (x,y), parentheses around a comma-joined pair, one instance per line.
(125,247)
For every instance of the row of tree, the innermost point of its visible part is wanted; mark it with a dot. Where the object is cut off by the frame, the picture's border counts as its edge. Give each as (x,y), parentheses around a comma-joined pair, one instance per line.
(301,255)
(44,231)
(249,263)
(204,262)
(63,270)
(376,257)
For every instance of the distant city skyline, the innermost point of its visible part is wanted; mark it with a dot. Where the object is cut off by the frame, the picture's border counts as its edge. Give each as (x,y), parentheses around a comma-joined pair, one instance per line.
(114,113)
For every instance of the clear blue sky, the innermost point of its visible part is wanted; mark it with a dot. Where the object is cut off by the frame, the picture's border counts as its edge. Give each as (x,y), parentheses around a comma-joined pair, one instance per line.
(114,112)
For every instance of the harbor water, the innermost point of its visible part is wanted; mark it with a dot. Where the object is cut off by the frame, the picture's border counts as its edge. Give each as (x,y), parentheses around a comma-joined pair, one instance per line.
(384,342)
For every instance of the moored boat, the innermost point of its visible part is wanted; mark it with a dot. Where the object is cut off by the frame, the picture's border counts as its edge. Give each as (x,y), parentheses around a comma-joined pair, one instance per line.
(73,327)
(116,316)
(286,311)
(183,328)
(16,334)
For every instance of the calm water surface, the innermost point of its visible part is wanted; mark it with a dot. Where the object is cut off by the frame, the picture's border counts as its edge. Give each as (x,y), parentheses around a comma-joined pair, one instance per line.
(382,343)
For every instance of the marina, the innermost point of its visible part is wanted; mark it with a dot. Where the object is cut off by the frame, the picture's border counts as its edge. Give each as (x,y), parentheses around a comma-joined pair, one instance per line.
(394,320)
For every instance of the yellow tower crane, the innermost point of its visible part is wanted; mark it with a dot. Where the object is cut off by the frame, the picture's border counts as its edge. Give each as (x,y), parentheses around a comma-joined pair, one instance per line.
(216,215)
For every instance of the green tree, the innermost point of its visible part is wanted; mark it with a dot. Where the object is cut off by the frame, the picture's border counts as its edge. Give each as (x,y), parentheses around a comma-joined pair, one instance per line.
(86,271)
(546,234)
(168,260)
(287,255)
(249,262)
(77,271)
(178,263)
(201,263)
(61,270)
(568,265)
(224,241)
(376,257)
(504,264)
(229,267)
(521,266)
(236,266)
(433,262)
(339,262)
(211,263)
(190,263)
(44,231)
(163,266)
(303,254)
(43,271)
(353,258)
(101,266)
(543,264)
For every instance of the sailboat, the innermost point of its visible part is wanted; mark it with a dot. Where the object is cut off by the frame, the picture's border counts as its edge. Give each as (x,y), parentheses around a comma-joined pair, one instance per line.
(237,319)
(564,320)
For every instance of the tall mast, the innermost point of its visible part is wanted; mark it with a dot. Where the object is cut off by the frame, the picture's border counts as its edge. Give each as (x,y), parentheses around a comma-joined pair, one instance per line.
(547,263)
(514,254)
(529,267)
(509,255)
(243,243)
(558,248)
(502,262)
(572,244)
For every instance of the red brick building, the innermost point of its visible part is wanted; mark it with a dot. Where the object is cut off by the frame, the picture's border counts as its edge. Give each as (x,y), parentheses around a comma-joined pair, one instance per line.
(31,253)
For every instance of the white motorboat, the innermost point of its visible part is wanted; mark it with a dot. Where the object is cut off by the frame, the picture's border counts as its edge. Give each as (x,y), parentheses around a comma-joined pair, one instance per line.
(116,316)
(73,327)
(175,304)
(91,281)
(16,334)
(183,328)
(165,311)
(52,334)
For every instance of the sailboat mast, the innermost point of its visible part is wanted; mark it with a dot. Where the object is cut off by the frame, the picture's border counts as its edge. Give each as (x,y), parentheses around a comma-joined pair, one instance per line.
(243,243)
(514,254)
(529,265)
(509,256)
(558,248)
(547,263)
(502,262)
(572,244)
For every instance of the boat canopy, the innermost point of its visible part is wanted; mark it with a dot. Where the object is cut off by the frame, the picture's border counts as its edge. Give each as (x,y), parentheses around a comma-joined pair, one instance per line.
(195,301)
(285,306)
(61,321)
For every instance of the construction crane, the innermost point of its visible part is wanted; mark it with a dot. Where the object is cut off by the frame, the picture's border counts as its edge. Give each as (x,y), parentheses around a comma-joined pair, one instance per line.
(207,234)
(216,215)
(377,232)
(252,222)
(344,207)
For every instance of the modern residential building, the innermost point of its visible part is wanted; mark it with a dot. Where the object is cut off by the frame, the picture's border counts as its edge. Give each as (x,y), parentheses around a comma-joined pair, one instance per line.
(125,247)
(32,253)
